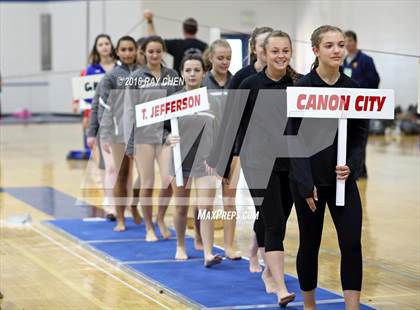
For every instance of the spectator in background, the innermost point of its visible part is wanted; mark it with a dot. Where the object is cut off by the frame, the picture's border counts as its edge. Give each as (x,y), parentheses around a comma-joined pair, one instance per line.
(180,48)
(361,68)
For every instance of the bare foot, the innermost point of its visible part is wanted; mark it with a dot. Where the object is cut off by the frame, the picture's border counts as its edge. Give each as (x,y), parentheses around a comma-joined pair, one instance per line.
(151,236)
(254,264)
(136,215)
(119,227)
(212,260)
(233,255)
(283,301)
(166,234)
(181,254)
(270,285)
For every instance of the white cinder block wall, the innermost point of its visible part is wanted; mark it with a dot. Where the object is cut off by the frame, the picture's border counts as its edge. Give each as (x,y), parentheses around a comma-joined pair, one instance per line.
(389,26)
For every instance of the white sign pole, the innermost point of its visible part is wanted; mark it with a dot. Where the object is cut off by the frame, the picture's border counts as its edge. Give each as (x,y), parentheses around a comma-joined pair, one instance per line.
(176,152)
(341,160)
(171,108)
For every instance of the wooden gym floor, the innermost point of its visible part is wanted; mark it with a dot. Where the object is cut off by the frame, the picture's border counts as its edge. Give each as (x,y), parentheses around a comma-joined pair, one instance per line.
(41,269)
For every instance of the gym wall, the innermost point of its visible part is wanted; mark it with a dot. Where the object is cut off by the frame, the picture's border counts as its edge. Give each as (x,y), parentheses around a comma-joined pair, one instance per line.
(389,31)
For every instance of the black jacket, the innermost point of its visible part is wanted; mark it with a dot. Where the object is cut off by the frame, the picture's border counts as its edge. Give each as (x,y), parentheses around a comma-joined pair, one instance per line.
(257,149)
(234,83)
(241,75)
(319,169)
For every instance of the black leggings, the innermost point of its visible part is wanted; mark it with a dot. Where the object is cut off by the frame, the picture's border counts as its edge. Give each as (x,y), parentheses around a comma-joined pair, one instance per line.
(270,226)
(348,224)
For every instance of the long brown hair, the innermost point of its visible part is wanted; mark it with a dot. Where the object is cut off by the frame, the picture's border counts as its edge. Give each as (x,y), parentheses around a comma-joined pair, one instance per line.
(281,34)
(94,57)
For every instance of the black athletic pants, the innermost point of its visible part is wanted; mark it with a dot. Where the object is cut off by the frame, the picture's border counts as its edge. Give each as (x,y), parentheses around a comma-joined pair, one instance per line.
(348,224)
(270,226)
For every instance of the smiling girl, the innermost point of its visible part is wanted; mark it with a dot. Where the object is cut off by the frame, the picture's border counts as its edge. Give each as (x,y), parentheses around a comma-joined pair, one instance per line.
(277,200)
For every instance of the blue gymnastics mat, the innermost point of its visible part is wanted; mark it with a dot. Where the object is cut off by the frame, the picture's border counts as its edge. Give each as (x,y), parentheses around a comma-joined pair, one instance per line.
(226,286)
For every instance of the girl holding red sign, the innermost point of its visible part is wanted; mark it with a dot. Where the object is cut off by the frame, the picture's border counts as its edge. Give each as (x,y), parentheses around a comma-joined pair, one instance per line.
(314,180)
(197,133)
